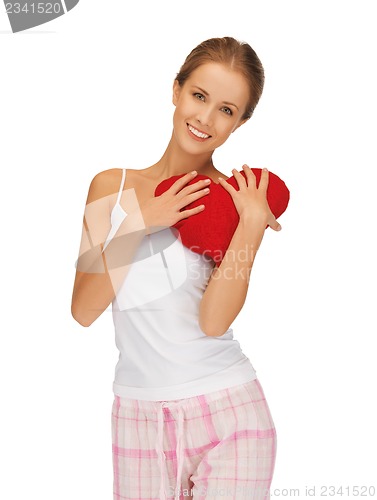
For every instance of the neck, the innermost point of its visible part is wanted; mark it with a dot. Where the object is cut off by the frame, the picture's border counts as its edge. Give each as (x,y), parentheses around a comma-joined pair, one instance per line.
(175,161)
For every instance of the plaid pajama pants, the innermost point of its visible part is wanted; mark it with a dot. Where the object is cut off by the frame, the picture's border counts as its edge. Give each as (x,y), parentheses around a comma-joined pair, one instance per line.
(217,445)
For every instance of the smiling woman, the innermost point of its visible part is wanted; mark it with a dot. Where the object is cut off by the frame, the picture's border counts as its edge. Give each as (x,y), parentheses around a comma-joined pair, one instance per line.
(179,364)
(209,106)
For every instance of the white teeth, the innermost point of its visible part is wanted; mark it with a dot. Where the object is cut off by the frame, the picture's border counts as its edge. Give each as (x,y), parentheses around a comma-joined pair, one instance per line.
(197,133)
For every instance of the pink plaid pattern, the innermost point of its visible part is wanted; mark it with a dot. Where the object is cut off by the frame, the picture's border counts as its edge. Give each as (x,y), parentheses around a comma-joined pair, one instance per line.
(223,446)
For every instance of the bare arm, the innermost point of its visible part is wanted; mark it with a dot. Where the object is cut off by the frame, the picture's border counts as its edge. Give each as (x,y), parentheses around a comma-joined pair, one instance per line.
(100,272)
(227,288)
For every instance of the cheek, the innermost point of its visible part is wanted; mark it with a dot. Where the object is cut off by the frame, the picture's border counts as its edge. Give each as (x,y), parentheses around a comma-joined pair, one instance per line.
(184,108)
(177,116)
(226,128)
(178,122)
(178,113)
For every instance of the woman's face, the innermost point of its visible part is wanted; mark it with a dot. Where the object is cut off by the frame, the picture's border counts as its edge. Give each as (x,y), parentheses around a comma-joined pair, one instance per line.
(208,107)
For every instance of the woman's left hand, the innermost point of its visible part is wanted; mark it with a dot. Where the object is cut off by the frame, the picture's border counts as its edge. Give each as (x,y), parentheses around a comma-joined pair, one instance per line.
(251,201)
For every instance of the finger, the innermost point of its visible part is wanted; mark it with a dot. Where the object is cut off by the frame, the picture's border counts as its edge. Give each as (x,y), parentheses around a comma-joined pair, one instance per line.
(250,176)
(248,171)
(187,199)
(202,185)
(179,183)
(192,211)
(263,183)
(193,191)
(226,185)
(275,225)
(239,178)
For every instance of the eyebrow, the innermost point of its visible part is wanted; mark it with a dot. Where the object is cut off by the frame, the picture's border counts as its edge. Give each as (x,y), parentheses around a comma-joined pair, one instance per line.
(224,102)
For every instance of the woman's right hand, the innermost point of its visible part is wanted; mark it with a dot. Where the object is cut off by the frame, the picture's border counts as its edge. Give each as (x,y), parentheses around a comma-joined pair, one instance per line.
(164,210)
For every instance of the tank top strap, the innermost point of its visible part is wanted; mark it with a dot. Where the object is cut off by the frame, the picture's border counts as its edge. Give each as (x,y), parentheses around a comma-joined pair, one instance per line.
(121,187)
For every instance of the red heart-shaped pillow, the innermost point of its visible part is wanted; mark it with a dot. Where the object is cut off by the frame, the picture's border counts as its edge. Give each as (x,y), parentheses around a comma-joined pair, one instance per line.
(210,231)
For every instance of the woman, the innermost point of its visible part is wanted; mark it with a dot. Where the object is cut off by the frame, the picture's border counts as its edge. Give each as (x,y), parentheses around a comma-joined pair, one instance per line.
(189,416)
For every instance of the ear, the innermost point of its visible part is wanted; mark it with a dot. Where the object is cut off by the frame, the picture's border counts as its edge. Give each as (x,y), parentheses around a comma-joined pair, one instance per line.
(176,92)
(241,123)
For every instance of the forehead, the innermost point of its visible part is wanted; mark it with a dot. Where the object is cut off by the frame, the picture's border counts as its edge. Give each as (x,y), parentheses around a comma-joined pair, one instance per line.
(221,83)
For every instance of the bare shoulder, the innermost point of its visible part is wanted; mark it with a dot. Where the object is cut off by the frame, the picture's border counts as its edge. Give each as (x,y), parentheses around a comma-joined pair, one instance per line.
(105,183)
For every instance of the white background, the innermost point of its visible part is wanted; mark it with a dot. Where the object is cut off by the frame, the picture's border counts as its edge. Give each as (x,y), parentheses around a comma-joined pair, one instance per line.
(92,91)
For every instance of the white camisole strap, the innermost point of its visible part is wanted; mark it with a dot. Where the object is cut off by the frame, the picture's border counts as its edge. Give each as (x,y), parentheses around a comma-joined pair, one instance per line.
(121,187)
(116,209)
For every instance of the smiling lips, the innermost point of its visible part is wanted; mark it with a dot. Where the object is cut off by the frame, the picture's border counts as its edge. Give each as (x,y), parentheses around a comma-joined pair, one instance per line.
(196,134)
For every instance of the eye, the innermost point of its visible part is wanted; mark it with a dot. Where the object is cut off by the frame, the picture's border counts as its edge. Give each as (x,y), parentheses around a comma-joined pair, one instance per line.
(199,96)
(228,111)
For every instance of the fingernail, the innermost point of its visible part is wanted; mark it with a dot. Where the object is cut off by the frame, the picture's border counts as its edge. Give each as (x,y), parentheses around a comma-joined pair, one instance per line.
(279,227)
(220,178)
(194,172)
(265,170)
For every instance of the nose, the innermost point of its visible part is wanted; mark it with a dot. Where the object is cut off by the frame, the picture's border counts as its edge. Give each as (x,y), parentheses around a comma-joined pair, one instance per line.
(205,116)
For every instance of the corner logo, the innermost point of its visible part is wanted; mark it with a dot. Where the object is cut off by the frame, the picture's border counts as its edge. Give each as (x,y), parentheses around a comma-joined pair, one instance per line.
(25,14)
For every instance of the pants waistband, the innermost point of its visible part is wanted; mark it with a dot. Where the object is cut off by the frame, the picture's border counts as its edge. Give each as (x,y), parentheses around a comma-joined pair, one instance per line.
(184,403)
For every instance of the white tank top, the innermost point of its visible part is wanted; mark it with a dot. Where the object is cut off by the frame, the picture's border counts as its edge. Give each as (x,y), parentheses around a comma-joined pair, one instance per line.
(163,353)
